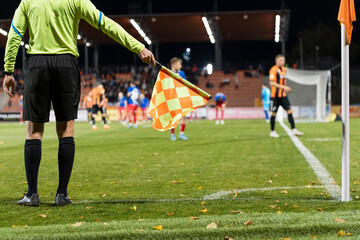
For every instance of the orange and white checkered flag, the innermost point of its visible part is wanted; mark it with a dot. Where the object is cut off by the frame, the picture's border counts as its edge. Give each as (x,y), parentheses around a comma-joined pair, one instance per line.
(173,97)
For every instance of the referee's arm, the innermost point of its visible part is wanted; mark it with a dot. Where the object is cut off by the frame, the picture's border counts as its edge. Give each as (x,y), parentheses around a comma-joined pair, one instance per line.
(97,19)
(17,30)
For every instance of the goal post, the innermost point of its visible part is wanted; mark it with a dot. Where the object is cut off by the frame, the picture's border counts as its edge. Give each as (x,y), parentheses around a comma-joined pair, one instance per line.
(309,92)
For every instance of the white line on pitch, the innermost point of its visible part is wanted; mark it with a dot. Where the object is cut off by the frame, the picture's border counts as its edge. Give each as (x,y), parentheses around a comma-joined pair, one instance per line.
(320,171)
(218,195)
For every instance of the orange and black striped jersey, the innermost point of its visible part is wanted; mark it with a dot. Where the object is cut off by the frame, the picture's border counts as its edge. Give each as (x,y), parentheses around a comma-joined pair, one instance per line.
(96,95)
(88,101)
(278,75)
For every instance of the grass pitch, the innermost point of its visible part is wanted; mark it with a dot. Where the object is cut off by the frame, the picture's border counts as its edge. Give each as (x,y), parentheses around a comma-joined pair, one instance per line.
(127,181)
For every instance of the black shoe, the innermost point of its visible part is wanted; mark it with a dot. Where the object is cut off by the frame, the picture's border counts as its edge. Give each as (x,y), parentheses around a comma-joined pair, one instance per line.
(32,201)
(61,200)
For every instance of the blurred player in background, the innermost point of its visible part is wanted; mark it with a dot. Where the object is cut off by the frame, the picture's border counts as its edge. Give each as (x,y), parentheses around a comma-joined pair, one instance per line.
(176,65)
(21,103)
(265,94)
(88,105)
(133,103)
(122,102)
(97,95)
(144,103)
(220,104)
(103,106)
(277,77)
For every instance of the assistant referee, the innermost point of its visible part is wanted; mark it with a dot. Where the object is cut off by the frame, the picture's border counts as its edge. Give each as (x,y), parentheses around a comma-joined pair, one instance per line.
(53,76)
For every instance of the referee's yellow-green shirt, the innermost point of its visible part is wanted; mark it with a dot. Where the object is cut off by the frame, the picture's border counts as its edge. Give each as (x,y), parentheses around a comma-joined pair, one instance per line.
(53,28)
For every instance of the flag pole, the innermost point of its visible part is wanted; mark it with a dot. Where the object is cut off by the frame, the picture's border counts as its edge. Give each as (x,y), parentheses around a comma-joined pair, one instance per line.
(345,117)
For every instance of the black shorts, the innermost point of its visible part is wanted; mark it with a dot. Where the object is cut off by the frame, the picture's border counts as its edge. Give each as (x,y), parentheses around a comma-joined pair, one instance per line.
(51,79)
(96,109)
(89,110)
(276,102)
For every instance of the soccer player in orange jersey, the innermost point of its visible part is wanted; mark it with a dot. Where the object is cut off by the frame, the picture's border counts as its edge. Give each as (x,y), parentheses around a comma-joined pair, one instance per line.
(279,90)
(97,94)
(176,65)
(88,105)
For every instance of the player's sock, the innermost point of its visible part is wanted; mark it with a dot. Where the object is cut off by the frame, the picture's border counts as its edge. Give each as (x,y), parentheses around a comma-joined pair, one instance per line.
(134,118)
(104,120)
(272,123)
(217,114)
(182,128)
(173,131)
(93,120)
(65,162)
(266,115)
(222,115)
(32,154)
(291,120)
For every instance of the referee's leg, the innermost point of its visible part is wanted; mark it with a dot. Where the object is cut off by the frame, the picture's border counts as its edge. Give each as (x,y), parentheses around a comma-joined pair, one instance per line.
(66,153)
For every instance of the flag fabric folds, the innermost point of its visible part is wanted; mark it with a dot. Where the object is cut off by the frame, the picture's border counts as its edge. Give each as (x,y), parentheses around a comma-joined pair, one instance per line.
(347,16)
(173,97)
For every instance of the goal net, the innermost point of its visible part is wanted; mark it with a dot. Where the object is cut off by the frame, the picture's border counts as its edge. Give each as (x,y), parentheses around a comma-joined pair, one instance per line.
(309,96)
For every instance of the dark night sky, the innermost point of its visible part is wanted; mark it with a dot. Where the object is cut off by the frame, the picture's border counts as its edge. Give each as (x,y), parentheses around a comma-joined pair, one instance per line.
(304,15)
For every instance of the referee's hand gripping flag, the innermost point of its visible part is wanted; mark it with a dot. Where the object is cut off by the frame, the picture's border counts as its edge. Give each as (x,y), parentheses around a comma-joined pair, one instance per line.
(173,97)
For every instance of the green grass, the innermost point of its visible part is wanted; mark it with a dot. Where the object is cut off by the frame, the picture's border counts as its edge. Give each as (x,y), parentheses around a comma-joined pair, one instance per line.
(117,169)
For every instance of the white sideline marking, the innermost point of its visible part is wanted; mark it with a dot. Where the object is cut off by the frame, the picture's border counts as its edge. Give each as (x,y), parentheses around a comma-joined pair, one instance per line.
(218,195)
(320,171)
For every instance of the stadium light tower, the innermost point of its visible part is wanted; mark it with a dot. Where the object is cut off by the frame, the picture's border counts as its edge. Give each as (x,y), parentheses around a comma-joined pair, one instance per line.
(208,29)
(140,31)
(3,32)
(277,28)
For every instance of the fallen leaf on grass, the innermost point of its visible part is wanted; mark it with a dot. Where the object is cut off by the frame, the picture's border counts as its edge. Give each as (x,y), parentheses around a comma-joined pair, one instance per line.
(180,181)
(286,238)
(103,195)
(77,224)
(236,193)
(236,212)
(155,154)
(203,202)
(276,201)
(106,224)
(227,238)
(341,233)
(182,195)
(339,220)
(320,210)
(294,205)
(133,208)
(349,234)
(199,188)
(248,223)
(98,220)
(278,212)
(286,204)
(308,186)
(314,237)
(194,218)
(273,206)
(158,227)
(357,197)
(43,215)
(18,226)
(204,210)
(211,226)
(270,181)
(81,217)
(284,191)
(170,214)
(88,208)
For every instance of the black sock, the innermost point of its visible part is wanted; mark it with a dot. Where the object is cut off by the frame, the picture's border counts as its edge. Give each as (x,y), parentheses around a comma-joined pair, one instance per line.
(32,154)
(272,123)
(291,120)
(65,161)
(93,120)
(104,120)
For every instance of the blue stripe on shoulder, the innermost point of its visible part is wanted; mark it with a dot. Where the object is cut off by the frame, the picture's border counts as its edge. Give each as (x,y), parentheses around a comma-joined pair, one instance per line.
(16,30)
(100,17)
